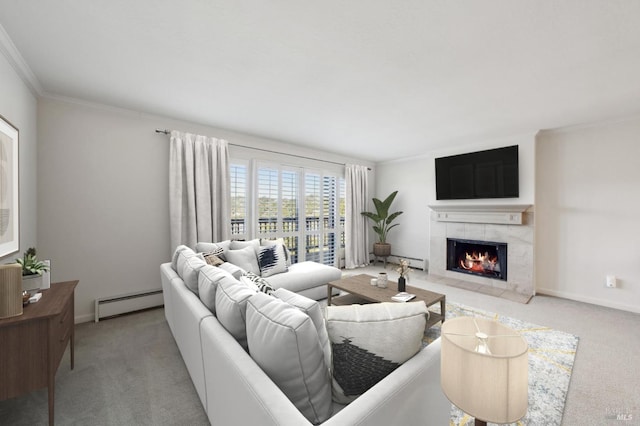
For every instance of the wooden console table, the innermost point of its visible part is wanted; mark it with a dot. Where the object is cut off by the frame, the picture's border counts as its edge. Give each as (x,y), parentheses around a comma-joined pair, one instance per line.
(34,342)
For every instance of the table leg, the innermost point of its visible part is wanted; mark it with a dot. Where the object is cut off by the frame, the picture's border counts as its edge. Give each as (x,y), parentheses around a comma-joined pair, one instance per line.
(329,288)
(51,389)
(443,308)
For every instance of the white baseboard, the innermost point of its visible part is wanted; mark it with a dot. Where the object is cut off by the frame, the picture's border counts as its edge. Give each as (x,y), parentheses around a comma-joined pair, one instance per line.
(591,300)
(83,318)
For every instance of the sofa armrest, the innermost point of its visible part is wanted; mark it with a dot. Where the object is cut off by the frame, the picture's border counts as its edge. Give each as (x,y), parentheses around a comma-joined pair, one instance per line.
(411,395)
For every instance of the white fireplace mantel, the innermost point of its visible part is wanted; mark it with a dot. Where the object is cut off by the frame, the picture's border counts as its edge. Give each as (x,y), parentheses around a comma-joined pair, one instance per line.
(502,214)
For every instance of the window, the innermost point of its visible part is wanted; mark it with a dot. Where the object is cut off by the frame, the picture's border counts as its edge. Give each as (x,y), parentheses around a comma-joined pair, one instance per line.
(282,194)
(239,214)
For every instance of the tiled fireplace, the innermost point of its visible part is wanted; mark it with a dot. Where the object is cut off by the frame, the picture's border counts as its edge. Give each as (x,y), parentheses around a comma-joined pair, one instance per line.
(488,245)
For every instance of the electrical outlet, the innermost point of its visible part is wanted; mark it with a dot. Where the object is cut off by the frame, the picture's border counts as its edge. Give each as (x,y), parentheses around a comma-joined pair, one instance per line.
(611,281)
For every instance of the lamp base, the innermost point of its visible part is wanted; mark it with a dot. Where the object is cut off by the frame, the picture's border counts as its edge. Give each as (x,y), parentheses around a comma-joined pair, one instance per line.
(481,423)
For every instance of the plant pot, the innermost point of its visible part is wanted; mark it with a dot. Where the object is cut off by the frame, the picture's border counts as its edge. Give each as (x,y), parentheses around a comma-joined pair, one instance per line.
(31,282)
(381,249)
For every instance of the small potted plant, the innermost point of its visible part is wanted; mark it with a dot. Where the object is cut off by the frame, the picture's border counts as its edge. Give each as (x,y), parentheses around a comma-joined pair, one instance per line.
(383,219)
(403,269)
(32,269)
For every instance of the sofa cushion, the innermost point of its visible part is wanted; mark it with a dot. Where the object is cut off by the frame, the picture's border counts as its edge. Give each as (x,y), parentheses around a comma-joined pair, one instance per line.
(272,260)
(313,309)
(182,257)
(234,270)
(244,258)
(261,284)
(283,341)
(231,302)
(304,275)
(190,272)
(176,253)
(203,247)
(208,280)
(370,341)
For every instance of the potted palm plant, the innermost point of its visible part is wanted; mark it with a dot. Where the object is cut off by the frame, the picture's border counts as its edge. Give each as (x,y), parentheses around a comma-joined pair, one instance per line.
(383,219)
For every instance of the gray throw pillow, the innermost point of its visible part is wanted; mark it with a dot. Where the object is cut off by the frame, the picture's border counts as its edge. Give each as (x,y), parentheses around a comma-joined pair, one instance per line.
(231,302)
(370,341)
(244,258)
(283,341)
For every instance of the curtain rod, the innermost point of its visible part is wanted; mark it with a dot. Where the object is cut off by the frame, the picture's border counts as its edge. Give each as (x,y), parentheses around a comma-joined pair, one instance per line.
(167,132)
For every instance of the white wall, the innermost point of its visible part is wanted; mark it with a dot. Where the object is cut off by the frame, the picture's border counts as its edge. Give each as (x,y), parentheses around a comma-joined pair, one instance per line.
(18,105)
(103,195)
(414,178)
(587,205)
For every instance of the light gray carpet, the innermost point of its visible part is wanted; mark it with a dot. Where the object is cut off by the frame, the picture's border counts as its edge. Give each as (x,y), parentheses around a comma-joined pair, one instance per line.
(128,371)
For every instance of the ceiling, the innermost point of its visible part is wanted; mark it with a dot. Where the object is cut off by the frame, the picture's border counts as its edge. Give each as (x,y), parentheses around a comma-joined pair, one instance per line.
(373,79)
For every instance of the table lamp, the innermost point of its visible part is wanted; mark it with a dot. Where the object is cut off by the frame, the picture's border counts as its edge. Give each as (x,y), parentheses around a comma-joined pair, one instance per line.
(484,369)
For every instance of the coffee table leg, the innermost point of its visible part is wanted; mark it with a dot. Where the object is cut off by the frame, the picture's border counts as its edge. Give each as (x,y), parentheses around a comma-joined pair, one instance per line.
(443,309)
(329,288)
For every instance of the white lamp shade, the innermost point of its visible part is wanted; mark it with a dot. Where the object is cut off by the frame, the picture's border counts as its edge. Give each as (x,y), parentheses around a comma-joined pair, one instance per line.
(489,386)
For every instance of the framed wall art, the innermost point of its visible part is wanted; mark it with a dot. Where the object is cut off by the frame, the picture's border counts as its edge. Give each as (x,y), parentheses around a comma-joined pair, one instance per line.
(9,189)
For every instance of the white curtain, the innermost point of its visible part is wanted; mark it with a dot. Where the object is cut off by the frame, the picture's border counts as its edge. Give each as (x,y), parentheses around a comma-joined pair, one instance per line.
(356,227)
(199,192)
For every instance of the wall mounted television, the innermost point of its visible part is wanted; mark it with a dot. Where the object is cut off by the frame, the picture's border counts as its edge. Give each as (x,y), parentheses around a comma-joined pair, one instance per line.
(492,173)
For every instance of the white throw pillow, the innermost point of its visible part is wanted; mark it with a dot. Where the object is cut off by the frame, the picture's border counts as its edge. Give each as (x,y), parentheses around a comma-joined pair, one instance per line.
(283,341)
(370,341)
(244,258)
(312,308)
(272,260)
(260,283)
(208,280)
(231,303)
(237,245)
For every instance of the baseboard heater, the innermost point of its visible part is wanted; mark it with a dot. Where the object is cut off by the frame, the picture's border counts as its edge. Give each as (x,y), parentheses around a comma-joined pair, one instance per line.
(111,306)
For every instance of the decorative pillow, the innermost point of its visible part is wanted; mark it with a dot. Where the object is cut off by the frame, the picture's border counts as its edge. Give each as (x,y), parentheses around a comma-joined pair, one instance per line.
(190,272)
(312,308)
(261,284)
(208,280)
(212,259)
(176,253)
(237,245)
(283,341)
(271,260)
(370,341)
(244,258)
(203,247)
(287,253)
(231,303)
(234,270)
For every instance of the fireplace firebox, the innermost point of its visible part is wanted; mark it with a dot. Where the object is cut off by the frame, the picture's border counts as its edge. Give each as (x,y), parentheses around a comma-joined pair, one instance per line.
(482,258)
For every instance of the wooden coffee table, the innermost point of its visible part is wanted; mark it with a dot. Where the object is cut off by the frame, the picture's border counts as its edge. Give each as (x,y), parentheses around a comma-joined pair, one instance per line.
(361,291)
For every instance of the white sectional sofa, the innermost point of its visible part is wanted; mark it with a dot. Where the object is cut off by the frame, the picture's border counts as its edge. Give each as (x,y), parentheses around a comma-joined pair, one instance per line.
(234,390)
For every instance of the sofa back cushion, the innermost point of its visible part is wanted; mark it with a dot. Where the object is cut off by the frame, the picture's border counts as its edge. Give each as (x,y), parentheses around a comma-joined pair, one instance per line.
(245,258)
(176,253)
(208,280)
(231,302)
(190,271)
(283,341)
(182,254)
(370,341)
(313,309)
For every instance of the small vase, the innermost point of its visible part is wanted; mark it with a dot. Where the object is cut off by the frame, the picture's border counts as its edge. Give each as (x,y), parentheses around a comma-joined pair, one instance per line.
(402,284)
(382,280)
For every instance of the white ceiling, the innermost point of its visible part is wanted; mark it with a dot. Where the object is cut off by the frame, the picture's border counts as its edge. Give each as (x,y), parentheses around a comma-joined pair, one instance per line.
(372,79)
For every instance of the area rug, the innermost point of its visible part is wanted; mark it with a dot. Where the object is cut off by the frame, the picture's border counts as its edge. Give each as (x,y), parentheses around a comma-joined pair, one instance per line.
(551,357)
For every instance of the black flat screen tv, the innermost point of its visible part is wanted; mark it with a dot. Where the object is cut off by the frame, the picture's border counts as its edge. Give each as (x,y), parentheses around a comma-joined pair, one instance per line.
(484,174)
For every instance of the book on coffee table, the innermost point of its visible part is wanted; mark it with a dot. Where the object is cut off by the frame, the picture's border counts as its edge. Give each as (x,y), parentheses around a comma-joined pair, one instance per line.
(403,297)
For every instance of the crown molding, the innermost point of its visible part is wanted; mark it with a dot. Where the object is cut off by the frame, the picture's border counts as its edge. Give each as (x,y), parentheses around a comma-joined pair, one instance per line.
(10,51)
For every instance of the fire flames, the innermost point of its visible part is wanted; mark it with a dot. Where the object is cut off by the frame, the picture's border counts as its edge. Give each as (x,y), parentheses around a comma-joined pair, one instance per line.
(478,262)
